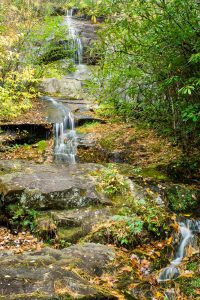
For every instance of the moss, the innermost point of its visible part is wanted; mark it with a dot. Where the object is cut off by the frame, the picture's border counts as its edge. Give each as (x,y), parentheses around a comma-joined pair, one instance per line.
(42,145)
(87,127)
(151,172)
(70,235)
(133,171)
(193,264)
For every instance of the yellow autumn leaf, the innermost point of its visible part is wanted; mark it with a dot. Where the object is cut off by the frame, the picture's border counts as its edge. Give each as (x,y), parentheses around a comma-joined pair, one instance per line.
(169,241)
(158,295)
(157,253)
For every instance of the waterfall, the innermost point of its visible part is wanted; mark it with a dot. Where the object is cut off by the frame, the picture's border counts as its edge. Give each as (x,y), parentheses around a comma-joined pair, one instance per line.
(187,229)
(64,130)
(75,41)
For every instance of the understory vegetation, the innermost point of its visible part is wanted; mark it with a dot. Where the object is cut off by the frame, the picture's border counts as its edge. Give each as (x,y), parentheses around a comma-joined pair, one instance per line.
(149,64)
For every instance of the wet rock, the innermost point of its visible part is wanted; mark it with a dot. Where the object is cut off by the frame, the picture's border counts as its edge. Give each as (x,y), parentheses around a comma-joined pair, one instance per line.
(169,273)
(43,187)
(48,274)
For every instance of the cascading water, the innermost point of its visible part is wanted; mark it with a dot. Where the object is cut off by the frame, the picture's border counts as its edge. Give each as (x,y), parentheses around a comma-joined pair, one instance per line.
(61,116)
(187,229)
(75,41)
(64,130)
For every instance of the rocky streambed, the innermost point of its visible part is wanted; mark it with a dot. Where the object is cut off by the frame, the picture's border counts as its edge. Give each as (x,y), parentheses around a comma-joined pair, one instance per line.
(115,244)
(106,231)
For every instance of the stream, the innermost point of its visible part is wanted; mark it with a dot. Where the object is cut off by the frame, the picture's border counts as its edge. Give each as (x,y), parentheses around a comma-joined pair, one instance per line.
(66,147)
(65,138)
(187,230)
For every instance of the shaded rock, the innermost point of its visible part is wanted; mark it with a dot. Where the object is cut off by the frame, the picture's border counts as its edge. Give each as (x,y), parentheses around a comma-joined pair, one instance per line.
(11,134)
(77,223)
(84,118)
(48,273)
(86,141)
(70,225)
(43,187)
(119,156)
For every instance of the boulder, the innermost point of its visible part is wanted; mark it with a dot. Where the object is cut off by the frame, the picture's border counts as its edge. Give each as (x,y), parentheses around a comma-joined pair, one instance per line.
(44,187)
(49,274)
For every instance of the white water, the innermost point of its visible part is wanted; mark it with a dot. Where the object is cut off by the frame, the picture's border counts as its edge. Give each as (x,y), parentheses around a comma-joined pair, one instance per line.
(187,229)
(75,44)
(64,131)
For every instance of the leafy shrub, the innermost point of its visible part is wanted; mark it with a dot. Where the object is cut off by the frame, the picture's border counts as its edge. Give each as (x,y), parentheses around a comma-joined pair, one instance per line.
(181,199)
(22,218)
(111,182)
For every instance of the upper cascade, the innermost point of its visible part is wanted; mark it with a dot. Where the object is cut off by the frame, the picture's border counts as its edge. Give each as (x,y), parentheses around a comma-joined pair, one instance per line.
(75,40)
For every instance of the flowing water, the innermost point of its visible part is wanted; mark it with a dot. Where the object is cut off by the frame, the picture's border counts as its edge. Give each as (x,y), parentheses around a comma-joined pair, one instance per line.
(188,229)
(63,119)
(64,130)
(75,41)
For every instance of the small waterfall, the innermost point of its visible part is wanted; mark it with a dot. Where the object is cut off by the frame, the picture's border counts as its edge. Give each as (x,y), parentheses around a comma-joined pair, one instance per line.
(187,229)
(64,131)
(75,44)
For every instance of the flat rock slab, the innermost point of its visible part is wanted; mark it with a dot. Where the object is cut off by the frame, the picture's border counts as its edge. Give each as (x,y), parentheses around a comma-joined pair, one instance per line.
(43,187)
(48,274)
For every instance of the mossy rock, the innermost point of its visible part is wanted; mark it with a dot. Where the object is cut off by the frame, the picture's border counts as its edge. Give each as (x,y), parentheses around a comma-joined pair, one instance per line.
(70,235)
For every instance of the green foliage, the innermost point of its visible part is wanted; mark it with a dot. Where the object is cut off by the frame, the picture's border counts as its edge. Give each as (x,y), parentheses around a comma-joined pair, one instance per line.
(111,182)
(64,244)
(49,40)
(129,228)
(56,69)
(17,92)
(149,65)
(193,266)
(42,145)
(181,199)
(22,217)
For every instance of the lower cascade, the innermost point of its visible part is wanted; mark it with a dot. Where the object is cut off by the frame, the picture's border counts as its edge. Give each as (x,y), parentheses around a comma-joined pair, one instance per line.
(64,130)
(187,229)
